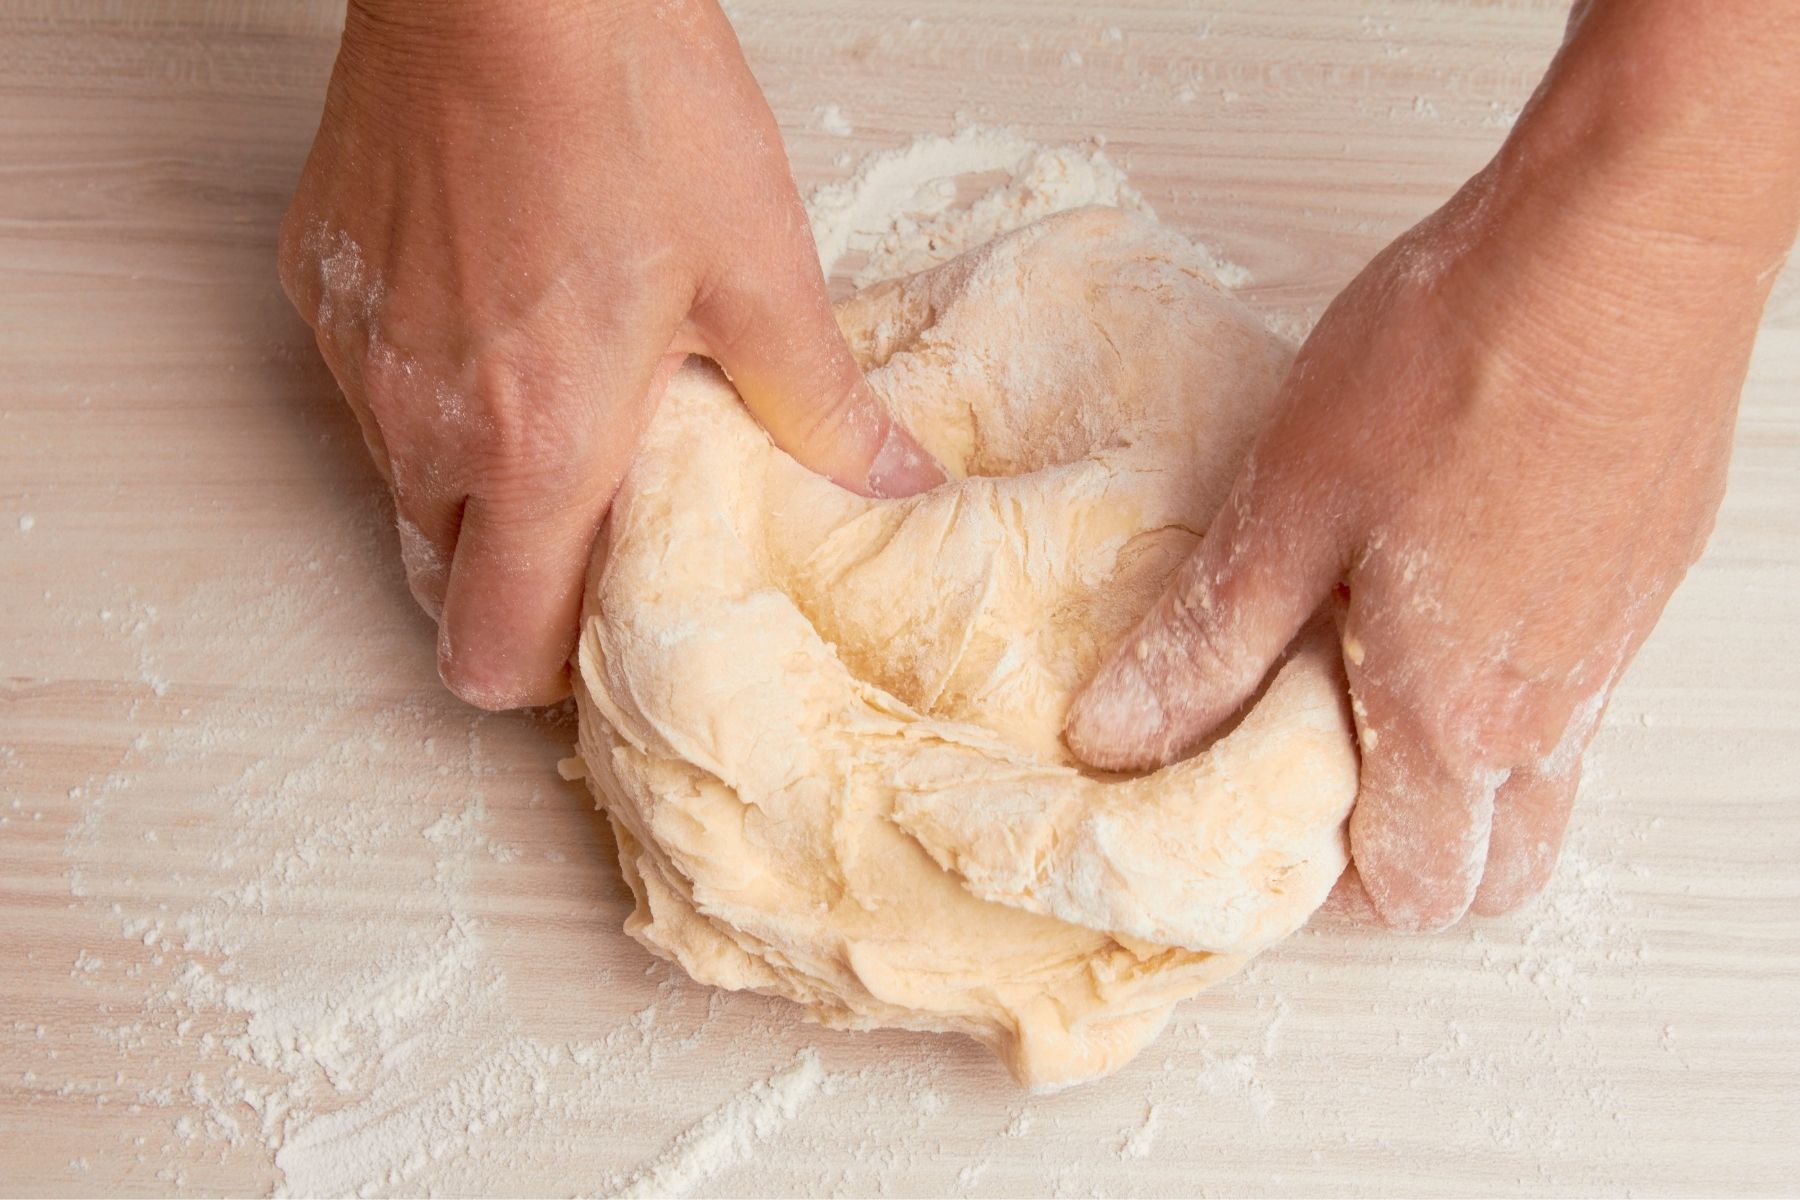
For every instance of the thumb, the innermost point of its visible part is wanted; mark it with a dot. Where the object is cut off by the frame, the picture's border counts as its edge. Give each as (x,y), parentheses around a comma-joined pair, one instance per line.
(1205,647)
(788,360)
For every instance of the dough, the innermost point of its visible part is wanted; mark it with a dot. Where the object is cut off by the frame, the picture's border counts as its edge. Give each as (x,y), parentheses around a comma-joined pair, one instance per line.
(826,728)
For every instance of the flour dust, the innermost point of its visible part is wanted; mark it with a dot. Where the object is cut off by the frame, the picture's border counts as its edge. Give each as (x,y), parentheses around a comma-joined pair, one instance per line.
(328,997)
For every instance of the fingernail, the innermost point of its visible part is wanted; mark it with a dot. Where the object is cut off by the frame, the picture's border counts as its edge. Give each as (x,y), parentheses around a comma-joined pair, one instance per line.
(902,467)
(467,687)
(1117,721)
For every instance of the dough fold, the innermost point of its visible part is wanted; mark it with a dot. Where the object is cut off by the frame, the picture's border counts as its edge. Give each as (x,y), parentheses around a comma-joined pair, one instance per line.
(826,728)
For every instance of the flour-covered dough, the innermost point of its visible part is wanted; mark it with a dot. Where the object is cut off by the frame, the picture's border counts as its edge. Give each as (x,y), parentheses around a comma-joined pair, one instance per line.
(826,728)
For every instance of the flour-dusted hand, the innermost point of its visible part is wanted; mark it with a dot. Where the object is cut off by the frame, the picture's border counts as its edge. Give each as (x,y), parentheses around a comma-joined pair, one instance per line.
(516,220)
(1505,443)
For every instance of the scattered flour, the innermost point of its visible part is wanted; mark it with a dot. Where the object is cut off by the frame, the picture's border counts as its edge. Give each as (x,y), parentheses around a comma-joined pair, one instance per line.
(417,1056)
(831,119)
(1139,1142)
(923,203)
(728,1136)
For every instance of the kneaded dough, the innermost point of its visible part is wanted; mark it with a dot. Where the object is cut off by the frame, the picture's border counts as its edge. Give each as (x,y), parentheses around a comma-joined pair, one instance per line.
(826,728)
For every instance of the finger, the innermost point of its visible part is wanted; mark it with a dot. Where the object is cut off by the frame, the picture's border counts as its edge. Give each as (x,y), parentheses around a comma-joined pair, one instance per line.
(347,369)
(428,531)
(780,345)
(512,601)
(1531,809)
(1349,902)
(1531,812)
(513,596)
(1211,637)
(1419,831)
(427,505)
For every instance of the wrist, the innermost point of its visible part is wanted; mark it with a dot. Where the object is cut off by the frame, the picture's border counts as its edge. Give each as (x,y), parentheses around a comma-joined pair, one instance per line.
(433,28)
(1640,203)
(492,51)
(1667,122)
(1628,231)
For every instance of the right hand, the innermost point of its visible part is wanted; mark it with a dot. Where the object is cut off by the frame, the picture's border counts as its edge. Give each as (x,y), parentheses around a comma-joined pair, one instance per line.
(518,217)
(1506,440)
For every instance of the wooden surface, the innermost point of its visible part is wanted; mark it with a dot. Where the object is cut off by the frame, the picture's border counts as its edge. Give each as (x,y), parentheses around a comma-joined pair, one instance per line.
(277,912)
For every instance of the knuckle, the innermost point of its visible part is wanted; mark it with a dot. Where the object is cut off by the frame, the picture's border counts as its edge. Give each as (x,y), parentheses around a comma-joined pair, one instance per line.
(1512,725)
(1539,726)
(525,474)
(387,376)
(296,266)
(486,428)
(1432,729)
(1457,737)
(1198,638)
(1461,708)
(503,417)
(831,413)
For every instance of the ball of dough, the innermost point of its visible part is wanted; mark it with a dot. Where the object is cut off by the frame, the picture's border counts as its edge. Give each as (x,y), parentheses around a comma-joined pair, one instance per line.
(826,728)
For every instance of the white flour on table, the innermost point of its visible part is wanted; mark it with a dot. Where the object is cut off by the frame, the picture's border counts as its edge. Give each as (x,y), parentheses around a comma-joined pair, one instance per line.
(424,1056)
(909,208)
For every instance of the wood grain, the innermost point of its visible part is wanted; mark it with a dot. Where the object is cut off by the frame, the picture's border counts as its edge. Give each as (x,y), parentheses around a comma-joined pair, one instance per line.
(208,656)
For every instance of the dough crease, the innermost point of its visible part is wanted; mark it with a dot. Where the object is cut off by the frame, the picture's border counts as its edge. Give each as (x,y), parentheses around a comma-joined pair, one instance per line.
(826,728)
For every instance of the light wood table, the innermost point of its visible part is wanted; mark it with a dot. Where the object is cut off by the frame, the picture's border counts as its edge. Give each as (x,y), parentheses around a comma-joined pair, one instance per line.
(277,912)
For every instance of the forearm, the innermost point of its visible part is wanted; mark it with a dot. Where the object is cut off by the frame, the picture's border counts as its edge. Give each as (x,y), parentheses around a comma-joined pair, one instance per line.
(1682,118)
(1641,207)
(487,50)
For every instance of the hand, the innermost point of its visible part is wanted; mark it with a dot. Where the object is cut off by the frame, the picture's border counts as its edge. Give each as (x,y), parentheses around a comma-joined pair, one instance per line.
(516,221)
(1503,445)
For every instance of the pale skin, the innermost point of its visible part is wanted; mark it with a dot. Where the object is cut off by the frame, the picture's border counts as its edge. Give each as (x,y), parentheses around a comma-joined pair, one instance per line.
(1495,457)
(516,221)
